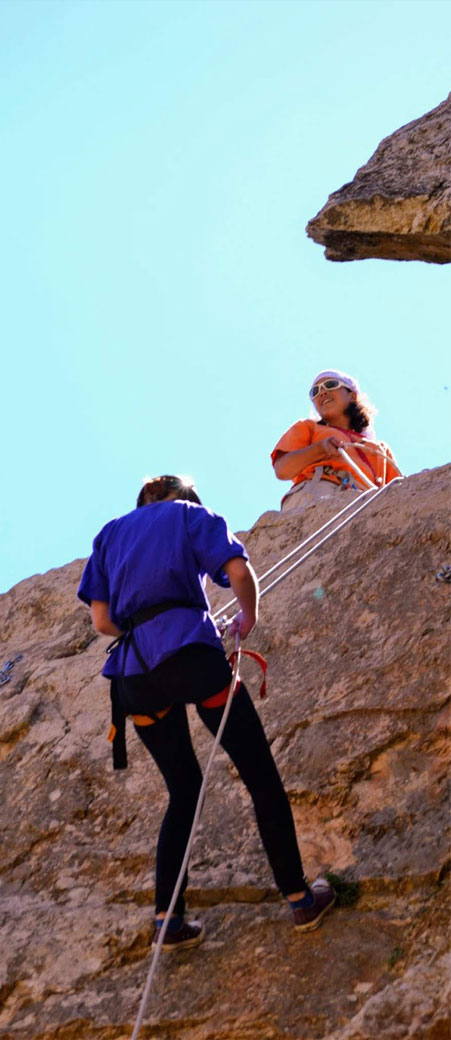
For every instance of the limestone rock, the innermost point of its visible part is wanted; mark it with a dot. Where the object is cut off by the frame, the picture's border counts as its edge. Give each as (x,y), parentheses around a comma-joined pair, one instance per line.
(413,1008)
(398,207)
(357,715)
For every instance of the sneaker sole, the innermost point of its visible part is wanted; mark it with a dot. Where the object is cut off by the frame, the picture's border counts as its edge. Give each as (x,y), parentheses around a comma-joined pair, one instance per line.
(186,945)
(312,925)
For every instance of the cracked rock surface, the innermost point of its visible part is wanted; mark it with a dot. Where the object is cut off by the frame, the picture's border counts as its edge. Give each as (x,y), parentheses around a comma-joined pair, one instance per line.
(357,715)
(398,207)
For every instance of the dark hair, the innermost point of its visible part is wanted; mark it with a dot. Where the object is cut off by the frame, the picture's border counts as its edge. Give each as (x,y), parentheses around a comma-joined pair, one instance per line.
(359,416)
(156,489)
(359,412)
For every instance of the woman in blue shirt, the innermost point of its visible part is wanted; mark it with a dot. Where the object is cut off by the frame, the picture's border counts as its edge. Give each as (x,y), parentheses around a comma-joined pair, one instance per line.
(145,584)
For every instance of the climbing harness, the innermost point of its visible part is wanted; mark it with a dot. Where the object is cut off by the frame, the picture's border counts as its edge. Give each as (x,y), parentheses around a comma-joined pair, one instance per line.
(7,670)
(344,477)
(127,639)
(117,731)
(372,493)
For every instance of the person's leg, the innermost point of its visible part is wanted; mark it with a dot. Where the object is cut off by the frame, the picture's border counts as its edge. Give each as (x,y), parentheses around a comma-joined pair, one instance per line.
(169,743)
(245,741)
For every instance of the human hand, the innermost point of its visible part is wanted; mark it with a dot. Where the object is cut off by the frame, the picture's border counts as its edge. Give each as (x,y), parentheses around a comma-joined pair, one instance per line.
(242,624)
(330,446)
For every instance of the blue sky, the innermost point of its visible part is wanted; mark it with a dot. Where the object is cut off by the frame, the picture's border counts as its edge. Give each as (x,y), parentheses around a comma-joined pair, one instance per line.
(162,308)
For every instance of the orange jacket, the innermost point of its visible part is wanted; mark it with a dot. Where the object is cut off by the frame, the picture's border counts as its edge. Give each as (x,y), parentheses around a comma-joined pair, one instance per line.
(306,432)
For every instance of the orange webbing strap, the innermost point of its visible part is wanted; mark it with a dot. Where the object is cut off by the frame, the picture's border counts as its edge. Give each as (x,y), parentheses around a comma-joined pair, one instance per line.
(141,720)
(219,699)
(260,661)
(145,720)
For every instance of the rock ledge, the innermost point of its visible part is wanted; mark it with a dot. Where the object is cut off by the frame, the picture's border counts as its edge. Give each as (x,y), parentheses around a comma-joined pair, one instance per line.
(398,207)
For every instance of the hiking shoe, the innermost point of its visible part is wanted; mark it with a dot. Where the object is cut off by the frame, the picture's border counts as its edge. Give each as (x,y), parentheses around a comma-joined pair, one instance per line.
(306,919)
(187,936)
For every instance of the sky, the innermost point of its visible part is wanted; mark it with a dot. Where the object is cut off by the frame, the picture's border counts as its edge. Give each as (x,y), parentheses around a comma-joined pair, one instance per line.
(162,308)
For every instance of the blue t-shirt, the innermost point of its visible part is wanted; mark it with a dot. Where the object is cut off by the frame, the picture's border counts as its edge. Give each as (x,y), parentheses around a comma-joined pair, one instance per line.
(158,552)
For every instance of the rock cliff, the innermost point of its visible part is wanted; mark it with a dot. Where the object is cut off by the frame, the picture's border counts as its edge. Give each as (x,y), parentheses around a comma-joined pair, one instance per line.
(357,717)
(398,207)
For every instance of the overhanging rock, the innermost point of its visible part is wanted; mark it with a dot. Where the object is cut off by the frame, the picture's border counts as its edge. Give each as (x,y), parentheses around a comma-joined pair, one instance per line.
(398,207)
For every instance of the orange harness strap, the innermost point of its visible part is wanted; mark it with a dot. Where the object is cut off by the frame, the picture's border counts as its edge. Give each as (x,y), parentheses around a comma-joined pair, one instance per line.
(140,720)
(145,720)
(220,698)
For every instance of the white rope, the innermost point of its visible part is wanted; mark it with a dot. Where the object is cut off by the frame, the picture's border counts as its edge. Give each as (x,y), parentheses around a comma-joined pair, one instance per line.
(366,480)
(376,449)
(371,448)
(371,488)
(327,536)
(178,884)
(357,508)
(297,549)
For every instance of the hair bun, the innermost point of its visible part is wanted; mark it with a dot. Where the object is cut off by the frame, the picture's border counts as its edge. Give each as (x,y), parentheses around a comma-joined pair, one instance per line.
(156,489)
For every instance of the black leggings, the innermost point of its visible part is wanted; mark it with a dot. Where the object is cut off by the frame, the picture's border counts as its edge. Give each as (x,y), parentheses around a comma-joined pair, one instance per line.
(190,676)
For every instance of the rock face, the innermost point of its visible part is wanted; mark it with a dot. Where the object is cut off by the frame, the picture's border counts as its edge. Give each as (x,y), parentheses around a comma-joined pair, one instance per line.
(398,207)
(357,717)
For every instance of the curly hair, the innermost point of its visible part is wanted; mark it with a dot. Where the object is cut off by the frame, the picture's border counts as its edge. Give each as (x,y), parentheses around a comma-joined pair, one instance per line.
(157,489)
(360,414)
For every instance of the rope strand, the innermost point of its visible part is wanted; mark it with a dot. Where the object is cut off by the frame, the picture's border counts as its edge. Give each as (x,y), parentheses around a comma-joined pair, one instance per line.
(366,480)
(327,536)
(371,488)
(293,552)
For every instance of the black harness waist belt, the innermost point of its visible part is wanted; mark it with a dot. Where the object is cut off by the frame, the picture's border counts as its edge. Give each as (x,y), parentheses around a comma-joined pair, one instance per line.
(127,638)
(148,613)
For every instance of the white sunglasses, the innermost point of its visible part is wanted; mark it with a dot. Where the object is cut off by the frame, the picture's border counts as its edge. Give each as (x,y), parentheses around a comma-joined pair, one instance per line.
(326,384)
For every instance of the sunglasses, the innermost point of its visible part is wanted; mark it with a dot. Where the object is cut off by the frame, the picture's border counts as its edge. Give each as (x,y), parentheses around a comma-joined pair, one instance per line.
(327,384)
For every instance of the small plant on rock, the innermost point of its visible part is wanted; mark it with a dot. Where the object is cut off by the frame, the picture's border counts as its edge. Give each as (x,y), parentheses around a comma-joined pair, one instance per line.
(347,892)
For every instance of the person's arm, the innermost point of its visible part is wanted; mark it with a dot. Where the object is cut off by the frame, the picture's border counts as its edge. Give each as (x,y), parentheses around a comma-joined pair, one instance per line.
(289,463)
(101,619)
(244,584)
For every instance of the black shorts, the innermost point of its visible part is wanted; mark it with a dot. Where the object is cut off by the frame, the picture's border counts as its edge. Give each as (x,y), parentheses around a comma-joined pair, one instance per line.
(193,674)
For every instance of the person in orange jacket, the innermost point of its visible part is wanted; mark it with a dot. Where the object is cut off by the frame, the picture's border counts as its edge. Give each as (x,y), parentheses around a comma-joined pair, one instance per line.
(309,452)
